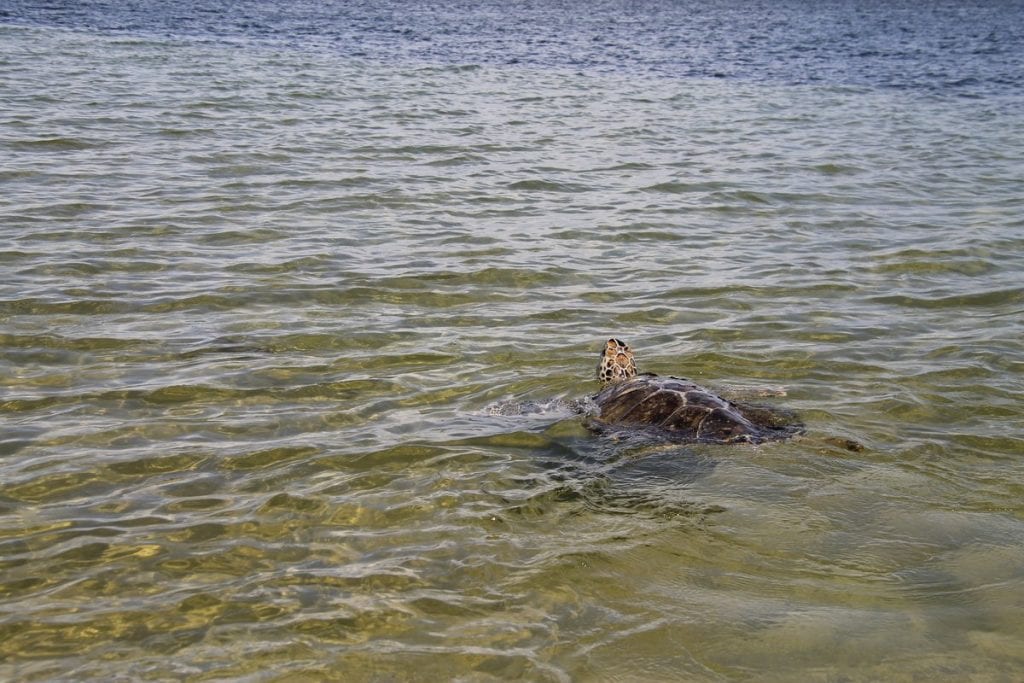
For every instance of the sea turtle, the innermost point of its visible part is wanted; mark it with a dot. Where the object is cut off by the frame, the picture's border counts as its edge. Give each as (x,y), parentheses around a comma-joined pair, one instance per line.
(677,408)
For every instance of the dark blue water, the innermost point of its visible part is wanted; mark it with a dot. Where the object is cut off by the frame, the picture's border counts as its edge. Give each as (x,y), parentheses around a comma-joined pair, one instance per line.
(961,48)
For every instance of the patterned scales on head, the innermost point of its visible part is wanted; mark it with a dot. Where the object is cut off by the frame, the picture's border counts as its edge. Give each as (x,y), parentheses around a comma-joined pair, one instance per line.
(680,409)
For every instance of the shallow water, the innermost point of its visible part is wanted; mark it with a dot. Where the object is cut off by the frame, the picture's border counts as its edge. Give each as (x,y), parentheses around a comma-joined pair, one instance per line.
(290,307)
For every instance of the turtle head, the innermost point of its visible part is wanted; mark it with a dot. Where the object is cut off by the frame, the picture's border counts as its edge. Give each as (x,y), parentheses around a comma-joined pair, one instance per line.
(617,362)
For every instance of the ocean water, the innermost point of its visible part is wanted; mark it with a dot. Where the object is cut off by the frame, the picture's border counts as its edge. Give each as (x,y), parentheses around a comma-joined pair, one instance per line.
(294,296)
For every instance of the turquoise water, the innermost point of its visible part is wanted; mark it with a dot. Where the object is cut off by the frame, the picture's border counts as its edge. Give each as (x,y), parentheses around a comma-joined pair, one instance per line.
(287,331)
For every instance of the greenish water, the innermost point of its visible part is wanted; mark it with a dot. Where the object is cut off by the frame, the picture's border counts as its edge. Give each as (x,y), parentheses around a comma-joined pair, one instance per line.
(267,316)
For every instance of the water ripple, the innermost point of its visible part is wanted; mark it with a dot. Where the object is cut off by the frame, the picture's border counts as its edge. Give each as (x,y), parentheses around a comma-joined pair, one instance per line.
(292,339)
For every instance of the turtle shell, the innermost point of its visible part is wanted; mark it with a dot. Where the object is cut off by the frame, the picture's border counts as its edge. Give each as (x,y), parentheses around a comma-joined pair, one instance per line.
(689,412)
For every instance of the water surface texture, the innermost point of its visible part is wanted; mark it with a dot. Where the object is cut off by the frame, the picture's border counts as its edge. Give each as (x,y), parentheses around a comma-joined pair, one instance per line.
(293,296)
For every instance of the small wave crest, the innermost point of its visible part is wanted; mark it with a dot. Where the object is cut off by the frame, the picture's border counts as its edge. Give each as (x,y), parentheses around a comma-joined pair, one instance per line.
(555,407)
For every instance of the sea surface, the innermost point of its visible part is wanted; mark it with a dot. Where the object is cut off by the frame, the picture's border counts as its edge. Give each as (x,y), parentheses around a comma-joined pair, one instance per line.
(296,298)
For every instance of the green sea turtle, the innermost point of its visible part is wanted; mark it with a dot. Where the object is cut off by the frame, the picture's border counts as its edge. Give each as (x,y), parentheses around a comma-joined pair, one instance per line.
(677,408)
